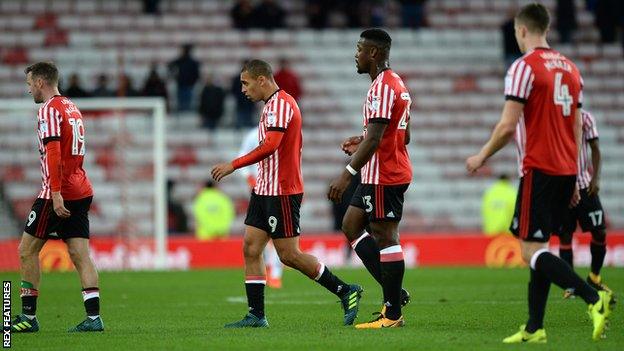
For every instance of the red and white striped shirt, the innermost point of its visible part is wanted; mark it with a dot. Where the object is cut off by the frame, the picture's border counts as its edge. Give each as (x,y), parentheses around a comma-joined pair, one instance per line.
(388,101)
(280,173)
(550,87)
(59,119)
(590,132)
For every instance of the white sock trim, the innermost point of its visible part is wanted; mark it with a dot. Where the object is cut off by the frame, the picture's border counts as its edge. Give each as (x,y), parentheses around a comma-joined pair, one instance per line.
(90,295)
(263,282)
(535,256)
(391,250)
(320,271)
(357,241)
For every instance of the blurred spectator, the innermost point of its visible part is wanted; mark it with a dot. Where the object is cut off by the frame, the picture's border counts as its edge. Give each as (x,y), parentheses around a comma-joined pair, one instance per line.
(288,80)
(268,15)
(75,90)
(245,108)
(155,86)
(318,12)
(151,7)
(352,10)
(125,88)
(211,103)
(101,89)
(497,207)
(511,51)
(214,213)
(185,69)
(413,13)
(607,19)
(241,14)
(177,221)
(566,20)
(377,10)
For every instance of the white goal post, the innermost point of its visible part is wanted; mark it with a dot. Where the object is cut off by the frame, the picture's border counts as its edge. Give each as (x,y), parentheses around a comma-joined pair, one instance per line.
(156,108)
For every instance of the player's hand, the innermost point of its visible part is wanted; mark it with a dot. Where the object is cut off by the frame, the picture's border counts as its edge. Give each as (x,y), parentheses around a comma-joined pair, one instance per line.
(221,170)
(473,163)
(350,145)
(594,187)
(59,205)
(576,197)
(338,187)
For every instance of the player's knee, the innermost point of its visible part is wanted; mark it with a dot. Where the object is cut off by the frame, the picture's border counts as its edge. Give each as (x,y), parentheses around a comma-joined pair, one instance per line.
(384,241)
(251,251)
(565,239)
(26,253)
(77,256)
(599,236)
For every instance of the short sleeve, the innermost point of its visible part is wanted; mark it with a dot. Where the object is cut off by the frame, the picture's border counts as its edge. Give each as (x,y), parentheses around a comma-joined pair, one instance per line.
(589,126)
(380,104)
(279,115)
(519,81)
(49,123)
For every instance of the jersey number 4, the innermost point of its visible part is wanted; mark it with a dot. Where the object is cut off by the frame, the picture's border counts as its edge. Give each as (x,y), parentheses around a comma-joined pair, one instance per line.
(78,139)
(562,95)
(405,118)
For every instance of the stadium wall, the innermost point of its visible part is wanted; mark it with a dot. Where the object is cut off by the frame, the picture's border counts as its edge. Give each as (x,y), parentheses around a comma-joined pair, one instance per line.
(470,249)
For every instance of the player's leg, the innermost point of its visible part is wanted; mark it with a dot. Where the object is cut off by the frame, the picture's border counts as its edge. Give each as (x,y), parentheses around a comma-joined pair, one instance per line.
(356,227)
(365,246)
(291,255)
(565,236)
(392,267)
(386,207)
(533,225)
(591,218)
(28,249)
(79,253)
(254,242)
(75,232)
(283,221)
(39,223)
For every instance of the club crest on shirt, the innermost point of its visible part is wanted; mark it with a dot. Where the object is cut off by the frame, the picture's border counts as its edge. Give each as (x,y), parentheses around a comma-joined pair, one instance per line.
(271,118)
(375,103)
(43,127)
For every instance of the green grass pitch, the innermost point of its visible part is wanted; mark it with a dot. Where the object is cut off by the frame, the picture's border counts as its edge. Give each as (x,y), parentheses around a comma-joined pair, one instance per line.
(451,309)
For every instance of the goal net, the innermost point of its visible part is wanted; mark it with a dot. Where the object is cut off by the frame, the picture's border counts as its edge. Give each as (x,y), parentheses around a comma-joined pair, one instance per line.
(125,160)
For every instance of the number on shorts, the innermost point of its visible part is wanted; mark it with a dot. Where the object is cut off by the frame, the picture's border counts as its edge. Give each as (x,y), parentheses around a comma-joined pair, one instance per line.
(31,218)
(367,202)
(596,217)
(273,223)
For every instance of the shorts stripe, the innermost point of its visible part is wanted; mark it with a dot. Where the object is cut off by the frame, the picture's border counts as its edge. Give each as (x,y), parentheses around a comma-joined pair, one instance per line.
(378,199)
(525,211)
(43,220)
(286,216)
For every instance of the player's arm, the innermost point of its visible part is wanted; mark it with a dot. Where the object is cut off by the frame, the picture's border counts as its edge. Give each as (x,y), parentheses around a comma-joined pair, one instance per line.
(53,159)
(270,144)
(594,185)
(503,132)
(50,133)
(366,149)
